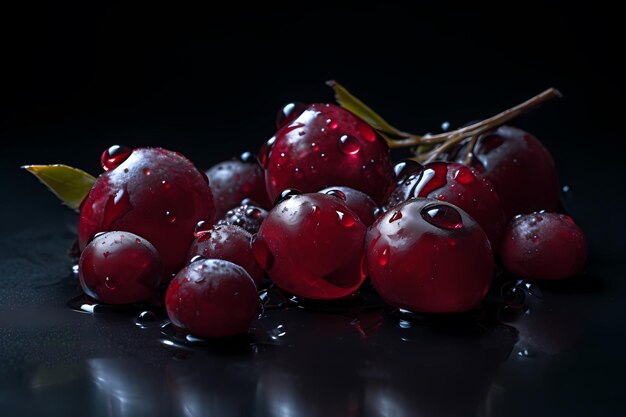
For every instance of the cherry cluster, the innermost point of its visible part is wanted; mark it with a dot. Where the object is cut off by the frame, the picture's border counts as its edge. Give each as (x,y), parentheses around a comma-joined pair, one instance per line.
(427,231)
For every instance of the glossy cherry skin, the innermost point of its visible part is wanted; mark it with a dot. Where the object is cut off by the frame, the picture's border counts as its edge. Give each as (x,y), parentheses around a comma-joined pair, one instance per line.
(312,245)
(360,203)
(120,268)
(154,193)
(520,168)
(230,243)
(212,298)
(247,216)
(235,180)
(456,184)
(327,145)
(543,246)
(429,256)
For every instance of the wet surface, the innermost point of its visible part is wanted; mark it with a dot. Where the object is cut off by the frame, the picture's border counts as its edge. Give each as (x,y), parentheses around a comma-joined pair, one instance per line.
(533,349)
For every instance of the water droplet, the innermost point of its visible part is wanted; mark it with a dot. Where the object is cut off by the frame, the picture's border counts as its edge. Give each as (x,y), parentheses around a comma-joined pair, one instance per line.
(146,171)
(406,167)
(445,126)
(75,269)
(262,253)
(367,132)
(146,316)
(297,173)
(315,146)
(106,254)
(315,209)
(348,145)
(332,125)
(170,216)
(286,195)
(337,193)
(383,257)
(196,258)
(303,132)
(138,241)
(202,228)
(442,216)
(166,185)
(248,158)
(109,283)
(114,156)
(396,216)
(288,113)
(464,175)
(566,188)
(277,332)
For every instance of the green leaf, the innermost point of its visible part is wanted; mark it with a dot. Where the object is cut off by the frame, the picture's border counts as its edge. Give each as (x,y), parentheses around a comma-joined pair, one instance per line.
(356,106)
(71,185)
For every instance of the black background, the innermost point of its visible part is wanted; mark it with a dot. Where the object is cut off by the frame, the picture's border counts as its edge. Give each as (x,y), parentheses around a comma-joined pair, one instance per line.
(79,77)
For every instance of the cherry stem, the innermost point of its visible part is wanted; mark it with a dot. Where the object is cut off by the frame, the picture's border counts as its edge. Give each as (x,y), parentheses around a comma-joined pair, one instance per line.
(476,129)
(470,150)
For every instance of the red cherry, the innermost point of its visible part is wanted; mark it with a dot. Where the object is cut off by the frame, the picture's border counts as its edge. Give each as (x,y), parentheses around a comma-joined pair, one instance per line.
(456,184)
(429,256)
(230,243)
(120,268)
(327,145)
(543,246)
(235,180)
(212,298)
(520,168)
(154,193)
(311,245)
(359,202)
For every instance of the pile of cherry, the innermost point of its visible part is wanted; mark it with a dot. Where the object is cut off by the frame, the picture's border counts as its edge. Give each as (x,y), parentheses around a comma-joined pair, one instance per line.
(321,209)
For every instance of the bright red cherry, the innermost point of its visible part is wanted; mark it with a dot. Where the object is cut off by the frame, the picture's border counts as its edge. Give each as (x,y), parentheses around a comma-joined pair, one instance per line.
(429,256)
(212,298)
(248,216)
(230,243)
(235,180)
(543,246)
(456,184)
(311,245)
(520,168)
(120,268)
(327,145)
(359,202)
(154,193)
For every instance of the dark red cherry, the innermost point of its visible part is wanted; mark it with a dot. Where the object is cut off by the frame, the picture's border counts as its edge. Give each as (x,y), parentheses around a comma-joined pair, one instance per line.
(230,243)
(288,113)
(154,193)
(120,268)
(113,156)
(237,179)
(429,256)
(520,168)
(311,245)
(543,246)
(327,145)
(247,216)
(359,202)
(212,298)
(456,184)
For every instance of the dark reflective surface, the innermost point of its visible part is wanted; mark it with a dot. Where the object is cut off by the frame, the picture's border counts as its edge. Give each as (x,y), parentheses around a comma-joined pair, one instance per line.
(552,349)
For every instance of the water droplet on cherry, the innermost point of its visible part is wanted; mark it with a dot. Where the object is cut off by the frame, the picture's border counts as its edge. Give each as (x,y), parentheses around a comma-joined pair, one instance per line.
(170,216)
(266,151)
(464,175)
(367,132)
(337,193)
(196,258)
(166,185)
(383,257)
(113,156)
(285,195)
(442,216)
(146,316)
(109,283)
(146,171)
(348,145)
(345,219)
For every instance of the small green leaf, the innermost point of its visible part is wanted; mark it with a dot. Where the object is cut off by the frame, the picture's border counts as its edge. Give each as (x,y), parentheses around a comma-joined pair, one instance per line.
(356,106)
(71,185)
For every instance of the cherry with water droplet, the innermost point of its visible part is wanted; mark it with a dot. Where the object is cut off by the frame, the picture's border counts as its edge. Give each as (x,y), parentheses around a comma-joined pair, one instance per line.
(212,298)
(414,266)
(311,245)
(115,269)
